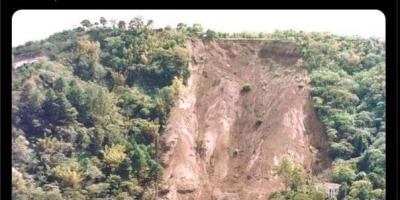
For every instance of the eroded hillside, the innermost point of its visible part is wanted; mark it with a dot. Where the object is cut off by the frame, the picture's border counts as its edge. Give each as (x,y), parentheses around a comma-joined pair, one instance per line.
(222,142)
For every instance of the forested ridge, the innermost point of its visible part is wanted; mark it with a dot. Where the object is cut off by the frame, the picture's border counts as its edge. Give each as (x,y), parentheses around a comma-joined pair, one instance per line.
(349,94)
(87,122)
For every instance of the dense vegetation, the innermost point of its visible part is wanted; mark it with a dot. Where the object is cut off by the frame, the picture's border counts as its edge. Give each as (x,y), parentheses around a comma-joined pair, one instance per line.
(86,123)
(348,89)
(298,185)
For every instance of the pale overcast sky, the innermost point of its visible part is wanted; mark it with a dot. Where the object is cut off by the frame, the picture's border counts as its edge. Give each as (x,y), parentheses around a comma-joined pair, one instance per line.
(30,25)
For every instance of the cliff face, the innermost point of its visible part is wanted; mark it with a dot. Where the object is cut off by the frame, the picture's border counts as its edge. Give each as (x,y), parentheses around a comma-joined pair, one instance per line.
(221,142)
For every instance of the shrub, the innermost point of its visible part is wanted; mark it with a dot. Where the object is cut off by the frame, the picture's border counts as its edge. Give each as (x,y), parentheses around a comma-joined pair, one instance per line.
(246,87)
(114,155)
(258,121)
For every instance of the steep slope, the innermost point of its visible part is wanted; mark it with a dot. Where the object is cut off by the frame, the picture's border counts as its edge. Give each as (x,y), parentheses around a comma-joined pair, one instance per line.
(221,142)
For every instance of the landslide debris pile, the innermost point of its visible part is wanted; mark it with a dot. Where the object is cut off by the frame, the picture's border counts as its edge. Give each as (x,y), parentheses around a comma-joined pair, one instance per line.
(222,141)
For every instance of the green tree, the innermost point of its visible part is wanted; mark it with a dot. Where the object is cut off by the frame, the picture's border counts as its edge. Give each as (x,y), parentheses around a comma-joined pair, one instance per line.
(100,104)
(139,162)
(60,85)
(114,184)
(78,98)
(342,149)
(377,180)
(361,189)
(114,155)
(291,173)
(149,23)
(343,173)
(125,169)
(155,170)
(122,25)
(85,58)
(210,34)
(146,132)
(136,23)
(103,21)
(97,139)
(372,160)
(86,23)
(58,110)
(343,190)
(197,29)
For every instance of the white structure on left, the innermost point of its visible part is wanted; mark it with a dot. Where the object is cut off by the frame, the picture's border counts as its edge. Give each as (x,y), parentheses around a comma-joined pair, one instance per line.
(331,189)
(30,60)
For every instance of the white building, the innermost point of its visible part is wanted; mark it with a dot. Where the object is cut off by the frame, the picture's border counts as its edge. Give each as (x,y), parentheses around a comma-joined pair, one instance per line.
(331,189)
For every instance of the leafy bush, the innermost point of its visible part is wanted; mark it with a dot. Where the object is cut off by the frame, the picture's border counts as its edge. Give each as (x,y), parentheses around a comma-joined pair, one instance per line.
(246,87)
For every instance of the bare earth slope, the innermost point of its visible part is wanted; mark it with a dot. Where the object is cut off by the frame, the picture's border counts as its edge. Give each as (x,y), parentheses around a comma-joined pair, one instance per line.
(214,147)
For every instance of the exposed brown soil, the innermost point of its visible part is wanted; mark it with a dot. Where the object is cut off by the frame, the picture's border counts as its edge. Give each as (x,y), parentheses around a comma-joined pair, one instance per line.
(214,147)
